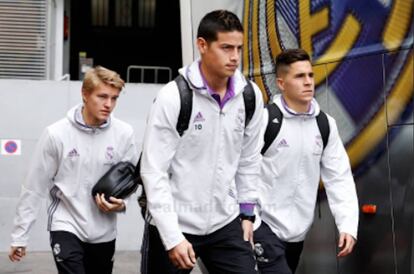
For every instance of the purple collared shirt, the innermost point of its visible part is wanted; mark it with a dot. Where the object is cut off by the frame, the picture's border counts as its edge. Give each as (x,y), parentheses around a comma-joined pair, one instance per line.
(229,92)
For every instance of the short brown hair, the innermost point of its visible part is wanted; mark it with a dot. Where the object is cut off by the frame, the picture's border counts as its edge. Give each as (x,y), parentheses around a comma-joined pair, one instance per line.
(289,56)
(218,21)
(98,75)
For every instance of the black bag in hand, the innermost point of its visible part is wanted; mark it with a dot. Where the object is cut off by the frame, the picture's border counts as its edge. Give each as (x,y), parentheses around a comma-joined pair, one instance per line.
(119,181)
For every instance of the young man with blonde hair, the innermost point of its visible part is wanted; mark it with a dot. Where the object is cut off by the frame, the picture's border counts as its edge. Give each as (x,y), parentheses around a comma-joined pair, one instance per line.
(71,155)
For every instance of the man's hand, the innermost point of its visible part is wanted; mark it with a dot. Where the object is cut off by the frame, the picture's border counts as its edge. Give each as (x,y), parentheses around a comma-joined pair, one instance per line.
(247,227)
(16,253)
(346,244)
(109,206)
(182,255)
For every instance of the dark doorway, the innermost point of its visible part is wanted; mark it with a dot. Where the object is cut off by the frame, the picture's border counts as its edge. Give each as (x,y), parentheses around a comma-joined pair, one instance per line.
(120,33)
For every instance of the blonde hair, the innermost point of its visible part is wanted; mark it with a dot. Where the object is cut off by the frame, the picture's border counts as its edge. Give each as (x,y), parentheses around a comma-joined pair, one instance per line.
(98,75)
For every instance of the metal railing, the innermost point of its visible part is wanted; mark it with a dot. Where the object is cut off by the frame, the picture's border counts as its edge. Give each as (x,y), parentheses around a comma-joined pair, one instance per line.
(144,68)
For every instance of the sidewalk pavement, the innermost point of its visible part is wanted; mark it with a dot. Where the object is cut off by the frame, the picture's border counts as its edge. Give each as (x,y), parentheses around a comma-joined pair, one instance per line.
(126,262)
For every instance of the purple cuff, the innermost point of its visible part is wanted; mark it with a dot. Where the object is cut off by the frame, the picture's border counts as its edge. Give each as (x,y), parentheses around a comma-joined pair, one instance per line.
(247,209)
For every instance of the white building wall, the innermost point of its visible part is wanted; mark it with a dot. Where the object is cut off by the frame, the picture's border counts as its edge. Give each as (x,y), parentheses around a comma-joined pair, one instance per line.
(27,107)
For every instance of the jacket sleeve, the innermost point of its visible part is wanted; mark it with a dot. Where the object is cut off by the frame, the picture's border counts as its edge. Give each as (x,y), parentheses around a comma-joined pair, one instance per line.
(247,176)
(131,155)
(340,188)
(160,144)
(42,169)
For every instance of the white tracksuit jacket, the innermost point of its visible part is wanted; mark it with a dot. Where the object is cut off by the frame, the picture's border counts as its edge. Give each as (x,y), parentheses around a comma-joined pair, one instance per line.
(195,183)
(69,159)
(291,169)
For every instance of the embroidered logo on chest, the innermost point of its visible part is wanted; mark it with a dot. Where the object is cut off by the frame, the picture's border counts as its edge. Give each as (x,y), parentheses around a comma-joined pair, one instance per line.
(73,153)
(109,154)
(199,118)
(318,145)
(282,143)
(198,121)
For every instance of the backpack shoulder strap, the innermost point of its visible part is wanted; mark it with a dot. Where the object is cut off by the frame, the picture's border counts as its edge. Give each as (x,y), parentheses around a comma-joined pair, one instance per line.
(273,125)
(186,105)
(249,102)
(324,129)
(186,99)
(323,125)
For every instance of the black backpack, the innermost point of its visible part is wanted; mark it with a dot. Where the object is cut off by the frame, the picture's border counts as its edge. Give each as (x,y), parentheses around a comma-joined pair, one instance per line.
(275,123)
(186,100)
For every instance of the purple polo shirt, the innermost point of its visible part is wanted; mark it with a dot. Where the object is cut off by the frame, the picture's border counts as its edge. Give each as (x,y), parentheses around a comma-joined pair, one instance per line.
(229,92)
(245,208)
